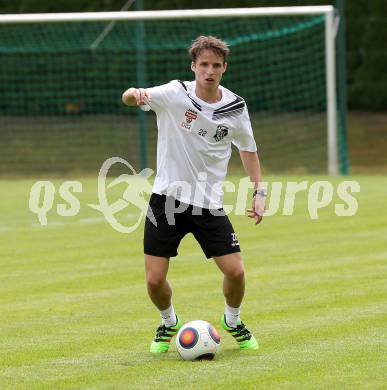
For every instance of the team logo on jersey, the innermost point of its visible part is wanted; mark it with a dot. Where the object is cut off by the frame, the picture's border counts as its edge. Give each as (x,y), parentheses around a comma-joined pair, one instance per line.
(221,132)
(190,116)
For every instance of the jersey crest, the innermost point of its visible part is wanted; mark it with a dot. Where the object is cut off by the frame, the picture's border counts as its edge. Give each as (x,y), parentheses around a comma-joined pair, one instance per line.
(221,132)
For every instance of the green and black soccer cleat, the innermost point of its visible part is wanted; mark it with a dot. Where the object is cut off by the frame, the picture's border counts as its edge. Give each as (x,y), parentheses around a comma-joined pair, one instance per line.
(241,334)
(164,335)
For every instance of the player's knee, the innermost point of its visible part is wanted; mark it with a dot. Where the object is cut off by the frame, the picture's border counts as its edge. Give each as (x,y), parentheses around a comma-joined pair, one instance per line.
(155,282)
(237,274)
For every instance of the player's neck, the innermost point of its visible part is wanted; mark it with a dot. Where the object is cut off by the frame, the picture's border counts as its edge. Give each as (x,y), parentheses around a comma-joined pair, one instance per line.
(209,95)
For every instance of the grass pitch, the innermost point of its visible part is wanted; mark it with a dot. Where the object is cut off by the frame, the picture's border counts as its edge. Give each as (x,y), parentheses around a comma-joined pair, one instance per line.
(75,313)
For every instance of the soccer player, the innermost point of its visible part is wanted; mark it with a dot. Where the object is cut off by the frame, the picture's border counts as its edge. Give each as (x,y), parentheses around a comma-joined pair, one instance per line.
(197,123)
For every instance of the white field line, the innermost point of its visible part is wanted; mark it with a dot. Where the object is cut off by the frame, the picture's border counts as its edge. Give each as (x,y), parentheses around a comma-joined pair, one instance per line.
(82,221)
(85,221)
(91,220)
(49,224)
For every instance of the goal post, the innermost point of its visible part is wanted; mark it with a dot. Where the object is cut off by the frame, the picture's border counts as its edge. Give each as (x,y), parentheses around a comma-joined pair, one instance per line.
(74,87)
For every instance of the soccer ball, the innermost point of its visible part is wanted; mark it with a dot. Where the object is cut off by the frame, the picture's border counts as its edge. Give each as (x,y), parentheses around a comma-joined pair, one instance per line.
(197,340)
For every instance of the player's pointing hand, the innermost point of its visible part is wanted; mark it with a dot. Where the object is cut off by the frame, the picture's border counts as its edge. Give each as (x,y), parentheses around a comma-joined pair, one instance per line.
(141,96)
(136,97)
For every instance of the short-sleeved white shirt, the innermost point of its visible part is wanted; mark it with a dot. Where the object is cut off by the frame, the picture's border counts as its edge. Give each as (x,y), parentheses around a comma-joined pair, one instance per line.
(194,141)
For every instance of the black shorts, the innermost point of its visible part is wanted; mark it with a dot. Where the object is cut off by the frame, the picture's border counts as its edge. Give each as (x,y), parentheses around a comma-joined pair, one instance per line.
(214,233)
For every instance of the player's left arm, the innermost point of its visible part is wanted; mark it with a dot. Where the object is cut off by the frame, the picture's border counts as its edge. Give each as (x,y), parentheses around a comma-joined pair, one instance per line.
(252,167)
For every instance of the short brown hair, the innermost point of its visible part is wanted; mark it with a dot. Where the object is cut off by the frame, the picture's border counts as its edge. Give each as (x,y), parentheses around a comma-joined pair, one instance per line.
(210,43)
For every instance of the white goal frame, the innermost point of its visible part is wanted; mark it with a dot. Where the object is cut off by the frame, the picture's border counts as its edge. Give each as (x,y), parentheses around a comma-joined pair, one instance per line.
(330,58)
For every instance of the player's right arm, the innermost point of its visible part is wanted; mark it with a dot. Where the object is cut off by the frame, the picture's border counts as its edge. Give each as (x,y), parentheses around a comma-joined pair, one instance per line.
(157,98)
(135,97)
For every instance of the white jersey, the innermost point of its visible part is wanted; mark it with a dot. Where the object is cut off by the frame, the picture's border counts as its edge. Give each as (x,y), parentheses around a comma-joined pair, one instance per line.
(194,141)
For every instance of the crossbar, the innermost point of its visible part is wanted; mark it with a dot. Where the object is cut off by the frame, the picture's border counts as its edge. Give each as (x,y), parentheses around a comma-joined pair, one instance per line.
(170,14)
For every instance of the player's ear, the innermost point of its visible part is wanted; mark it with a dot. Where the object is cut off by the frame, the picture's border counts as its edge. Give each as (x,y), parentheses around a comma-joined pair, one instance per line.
(193,66)
(224,67)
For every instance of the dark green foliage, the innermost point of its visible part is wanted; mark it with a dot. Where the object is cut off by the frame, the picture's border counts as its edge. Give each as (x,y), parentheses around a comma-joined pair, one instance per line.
(368,56)
(366,35)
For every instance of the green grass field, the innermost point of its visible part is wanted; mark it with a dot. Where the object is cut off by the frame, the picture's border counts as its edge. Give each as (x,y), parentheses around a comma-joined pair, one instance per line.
(75,313)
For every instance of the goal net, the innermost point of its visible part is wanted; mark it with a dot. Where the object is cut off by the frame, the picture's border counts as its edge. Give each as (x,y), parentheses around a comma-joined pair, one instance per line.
(61,80)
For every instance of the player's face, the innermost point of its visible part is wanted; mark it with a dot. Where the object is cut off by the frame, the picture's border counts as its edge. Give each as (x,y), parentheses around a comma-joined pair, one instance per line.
(208,68)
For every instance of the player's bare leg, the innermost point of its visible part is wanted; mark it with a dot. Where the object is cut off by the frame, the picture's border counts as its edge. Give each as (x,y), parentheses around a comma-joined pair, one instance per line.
(160,292)
(234,278)
(233,289)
